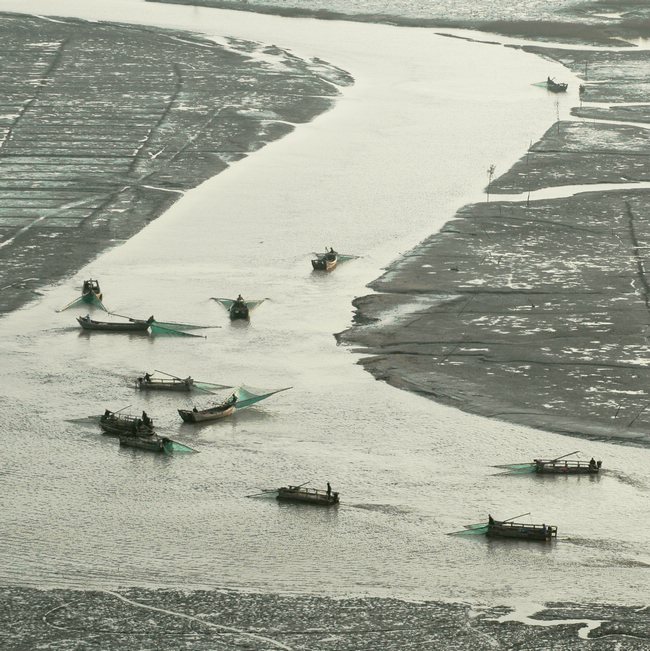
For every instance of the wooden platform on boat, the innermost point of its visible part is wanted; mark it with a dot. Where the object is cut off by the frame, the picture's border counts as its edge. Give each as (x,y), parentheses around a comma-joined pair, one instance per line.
(307,495)
(165,384)
(521,530)
(566,467)
(117,424)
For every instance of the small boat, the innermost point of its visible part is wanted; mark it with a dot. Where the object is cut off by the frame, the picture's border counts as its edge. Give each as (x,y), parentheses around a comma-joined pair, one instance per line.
(308,495)
(152,442)
(133,325)
(90,291)
(325,261)
(121,424)
(149,383)
(226,408)
(567,467)
(520,530)
(555,87)
(239,309)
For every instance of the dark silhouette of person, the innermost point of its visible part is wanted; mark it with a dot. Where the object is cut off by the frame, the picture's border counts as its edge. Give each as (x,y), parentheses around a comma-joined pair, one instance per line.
(329,489)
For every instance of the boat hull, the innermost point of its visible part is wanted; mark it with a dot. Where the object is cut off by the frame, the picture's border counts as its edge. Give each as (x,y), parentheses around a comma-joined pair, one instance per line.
(557,88)
(106,326)
(239,312)
(165,385)
(535,532)
(567,467)
(307,496)
(152,443)
(323,264)
(216,413)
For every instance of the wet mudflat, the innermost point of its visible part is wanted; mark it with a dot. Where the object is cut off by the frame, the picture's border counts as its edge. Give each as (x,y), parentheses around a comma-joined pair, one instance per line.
(536,311)
(102,127)
(222,620)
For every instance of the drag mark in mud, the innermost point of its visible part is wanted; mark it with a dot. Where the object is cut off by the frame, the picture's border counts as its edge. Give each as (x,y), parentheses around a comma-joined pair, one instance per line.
(229,629)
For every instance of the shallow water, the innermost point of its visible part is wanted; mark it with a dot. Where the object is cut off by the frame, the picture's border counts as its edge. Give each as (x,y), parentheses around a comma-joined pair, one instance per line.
(402,149)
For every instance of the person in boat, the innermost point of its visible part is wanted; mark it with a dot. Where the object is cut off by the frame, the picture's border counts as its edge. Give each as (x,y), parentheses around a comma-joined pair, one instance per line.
(147,377)
(194,409)
(329,490)
(150,319)
(490,519)
(240,299)
(107,414)
(145,419)
(232,400)
(592,462)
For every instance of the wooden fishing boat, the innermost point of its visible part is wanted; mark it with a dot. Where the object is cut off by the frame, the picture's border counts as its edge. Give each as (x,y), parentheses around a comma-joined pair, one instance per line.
(149,383)
(153,442)
(567,467)
(307,495)
(520,530)
(555,87)
(195,415)
(115,424)
(90,291)
(239,310)
(326,261)
(133,325)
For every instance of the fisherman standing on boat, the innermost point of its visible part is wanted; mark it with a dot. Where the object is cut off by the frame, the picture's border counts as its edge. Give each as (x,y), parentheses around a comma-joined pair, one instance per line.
(145,419)
(329,490)
(240,299)
(490,519)
(147,377)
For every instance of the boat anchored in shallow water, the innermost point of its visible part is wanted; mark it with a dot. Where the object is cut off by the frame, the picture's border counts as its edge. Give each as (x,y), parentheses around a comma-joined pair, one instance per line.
(133,325)
(116,424)
(519,530)
(567,467)
(555,86)
(325,261)
(150,383)
(152,442)
(308,495)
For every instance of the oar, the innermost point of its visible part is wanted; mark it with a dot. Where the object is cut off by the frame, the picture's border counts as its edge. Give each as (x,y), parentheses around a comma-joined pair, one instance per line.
(123,316)
(168,374)
(516,516)
(565,455)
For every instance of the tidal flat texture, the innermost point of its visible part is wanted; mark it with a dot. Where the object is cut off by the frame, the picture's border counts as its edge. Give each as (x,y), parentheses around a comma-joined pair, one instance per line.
(137,618)
(103,127)
(536,311)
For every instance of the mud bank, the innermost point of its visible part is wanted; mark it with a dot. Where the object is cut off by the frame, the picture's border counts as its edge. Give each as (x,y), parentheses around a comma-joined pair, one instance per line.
(567,21)
(215,620)
(535,312)
(103,127)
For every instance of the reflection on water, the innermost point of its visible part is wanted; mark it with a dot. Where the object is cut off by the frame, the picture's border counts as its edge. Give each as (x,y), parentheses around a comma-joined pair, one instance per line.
(387,165)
